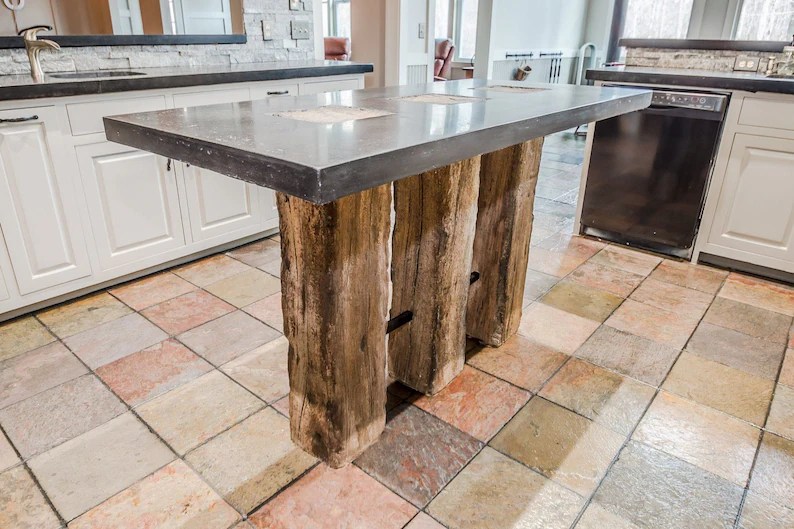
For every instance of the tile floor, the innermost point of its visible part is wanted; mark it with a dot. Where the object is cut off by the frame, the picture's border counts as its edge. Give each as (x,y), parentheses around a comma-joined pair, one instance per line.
(640,393)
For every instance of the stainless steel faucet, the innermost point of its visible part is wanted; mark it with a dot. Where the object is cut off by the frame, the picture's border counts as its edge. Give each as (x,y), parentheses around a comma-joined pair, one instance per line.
(34,46)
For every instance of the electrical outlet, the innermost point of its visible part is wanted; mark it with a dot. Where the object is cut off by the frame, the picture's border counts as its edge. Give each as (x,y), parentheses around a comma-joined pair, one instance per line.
(267,30)
(295,5)
(421,30)
(300,30)
(746,64)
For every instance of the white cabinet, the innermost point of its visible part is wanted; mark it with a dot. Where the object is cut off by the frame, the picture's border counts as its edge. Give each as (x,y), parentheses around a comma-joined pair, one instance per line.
(320,87)
(4,291)
(38,213)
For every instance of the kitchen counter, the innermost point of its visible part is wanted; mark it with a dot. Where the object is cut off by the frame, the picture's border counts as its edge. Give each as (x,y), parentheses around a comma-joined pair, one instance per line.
(745,81)
(23,87)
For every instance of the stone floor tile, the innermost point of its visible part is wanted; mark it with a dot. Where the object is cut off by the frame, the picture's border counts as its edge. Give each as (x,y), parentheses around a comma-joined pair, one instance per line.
(151,290)
(773,474)
(627,259)
(268,310)
(189,310)
(653,323)
(781,414)
(22,505)
(596,517)
(329,499)
(273,268)
(61,413)
(683,301)
(520,361)
(582,300)
(22,335)
(174,497)
(282,405)
(8,457)
(537,284)
(228,337)
(602,396)
(263,371)
(246,287)
(36,371)
(115,339)
(748,319)
(85,313)
(495,492)
(84,472)
(555,329)
(569,449)
(613,280)
(759,293)
(698,277)
(189,415)
(557,264)
(211,269)
(417,454)
(570,243)
(753,355)
(257,253)
(723,388)
(475,403)
(146,374)
(423,521)
(701,436)
(653,489)
(787,372)
(628,354)
(761,513)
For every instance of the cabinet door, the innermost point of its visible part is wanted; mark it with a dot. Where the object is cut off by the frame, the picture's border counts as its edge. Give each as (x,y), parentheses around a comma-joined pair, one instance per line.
(38,210)
(755,212)
(4,293)
(132,203)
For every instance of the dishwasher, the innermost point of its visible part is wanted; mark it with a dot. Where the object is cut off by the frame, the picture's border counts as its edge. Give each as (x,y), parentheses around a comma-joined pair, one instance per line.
(649,171)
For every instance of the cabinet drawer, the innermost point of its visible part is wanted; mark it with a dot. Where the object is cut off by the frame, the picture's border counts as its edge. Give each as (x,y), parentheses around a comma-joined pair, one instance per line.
(272,90)
(86,118)
(767,113)
(319,87)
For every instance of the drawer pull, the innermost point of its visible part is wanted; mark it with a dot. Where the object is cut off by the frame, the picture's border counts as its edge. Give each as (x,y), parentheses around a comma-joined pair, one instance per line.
(278,93)
(168,165)
(19,120)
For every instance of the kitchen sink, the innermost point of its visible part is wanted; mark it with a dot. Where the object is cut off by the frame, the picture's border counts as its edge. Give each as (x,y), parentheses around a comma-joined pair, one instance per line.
(96,75)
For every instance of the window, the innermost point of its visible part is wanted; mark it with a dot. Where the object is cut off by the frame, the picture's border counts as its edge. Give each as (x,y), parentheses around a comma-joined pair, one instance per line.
(766,20)
(457,20)
(336,18)
(652,19)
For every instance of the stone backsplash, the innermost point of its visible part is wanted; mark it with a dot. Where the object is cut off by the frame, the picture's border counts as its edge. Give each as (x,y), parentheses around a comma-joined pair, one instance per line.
(281,48)
(720,60)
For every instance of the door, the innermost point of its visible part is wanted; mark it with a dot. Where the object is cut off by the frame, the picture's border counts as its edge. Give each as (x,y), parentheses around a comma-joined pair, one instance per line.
(755,211)
(125,16)
(202,17)
(132,203)
(39,215)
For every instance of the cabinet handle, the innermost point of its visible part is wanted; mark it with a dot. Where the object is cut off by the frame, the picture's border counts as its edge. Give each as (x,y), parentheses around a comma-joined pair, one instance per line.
(168,165)
(278,93)
(19,120)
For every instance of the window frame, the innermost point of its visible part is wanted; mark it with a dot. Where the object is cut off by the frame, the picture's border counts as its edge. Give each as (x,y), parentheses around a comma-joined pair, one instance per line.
(454,14)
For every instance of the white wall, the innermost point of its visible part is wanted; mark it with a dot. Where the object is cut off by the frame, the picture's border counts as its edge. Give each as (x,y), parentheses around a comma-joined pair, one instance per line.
(524,24)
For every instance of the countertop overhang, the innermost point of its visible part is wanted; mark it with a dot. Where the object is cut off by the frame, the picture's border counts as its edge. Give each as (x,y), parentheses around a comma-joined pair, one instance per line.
(323,162)
(748,82)
(13,87)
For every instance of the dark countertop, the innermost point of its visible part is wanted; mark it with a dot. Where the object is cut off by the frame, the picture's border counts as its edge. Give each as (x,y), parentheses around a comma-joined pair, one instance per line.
(321,162)
(23,86)
(746,81)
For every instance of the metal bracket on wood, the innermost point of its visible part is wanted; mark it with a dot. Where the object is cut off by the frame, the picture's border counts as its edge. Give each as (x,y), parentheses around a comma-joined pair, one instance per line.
(398,321)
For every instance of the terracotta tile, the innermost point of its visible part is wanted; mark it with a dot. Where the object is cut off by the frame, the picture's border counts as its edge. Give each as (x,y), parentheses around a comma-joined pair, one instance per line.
(417,454)
(653,489)
(626,259)
(787,372)
(759,293)
(258,253)
(37,371)
(495,492)
(115,339)
(555,329)
(773,475)
(604,397)
(250,462)
(328,499)
(686,302)
(537,284)
(614,280)
(520,361)
(476,403)
(85,313)
(268,310)
(22,505)
(721,387)
(655,324)
(557,264)
(737,350)
(747,319)
(180,314)
(698,277)
(22,335)
(8,457)
(83,472)
(263,371)
(629,355)
(152,290)
(761,513)
(596,517)
(781,414)
(699,435)
(246,287)
(582,300)
(569,449)
(187,416)
(791,336)
(143,375)
(228,337)
(423,521)
(59,414)
(211,269)
(282,406)
(174,497)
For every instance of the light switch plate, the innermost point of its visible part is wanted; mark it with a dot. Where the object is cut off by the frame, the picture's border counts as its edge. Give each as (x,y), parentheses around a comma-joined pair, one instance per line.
(300,30)
(267,30)
(746,64)
(421,30)
(295,5)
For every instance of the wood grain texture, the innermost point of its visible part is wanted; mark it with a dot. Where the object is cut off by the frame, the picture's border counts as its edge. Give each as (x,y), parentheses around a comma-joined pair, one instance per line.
(335,295)
(501,244)
(435,217)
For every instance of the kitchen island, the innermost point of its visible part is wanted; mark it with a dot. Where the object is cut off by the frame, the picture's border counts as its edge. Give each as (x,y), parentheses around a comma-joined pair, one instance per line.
(456,162)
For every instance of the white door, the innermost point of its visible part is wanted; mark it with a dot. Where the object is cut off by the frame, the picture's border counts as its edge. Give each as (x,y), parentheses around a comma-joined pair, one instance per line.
(38,210)
(125,16)
(202,17)
(755,211)
(132,203)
